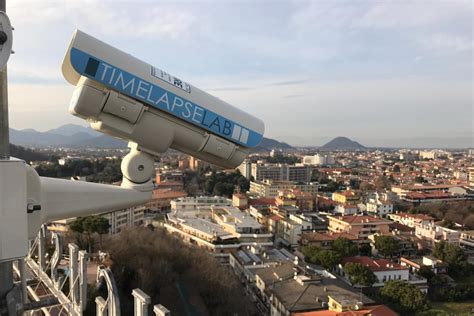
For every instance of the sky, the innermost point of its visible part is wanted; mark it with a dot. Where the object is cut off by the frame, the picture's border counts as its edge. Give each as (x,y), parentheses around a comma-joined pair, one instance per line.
(380,72)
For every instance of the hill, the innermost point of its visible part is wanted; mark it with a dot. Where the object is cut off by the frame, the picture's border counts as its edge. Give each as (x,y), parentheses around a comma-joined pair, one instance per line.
(269,144)
(71,135)
(342,143)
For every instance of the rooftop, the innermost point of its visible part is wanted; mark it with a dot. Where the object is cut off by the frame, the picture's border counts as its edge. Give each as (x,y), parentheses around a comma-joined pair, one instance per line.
(374,265)
(360,219)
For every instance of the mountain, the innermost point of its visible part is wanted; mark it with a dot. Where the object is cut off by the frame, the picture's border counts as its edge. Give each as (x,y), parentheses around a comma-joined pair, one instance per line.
(71,129)
(72,135)
(269,144)
(342,143)
(69,135)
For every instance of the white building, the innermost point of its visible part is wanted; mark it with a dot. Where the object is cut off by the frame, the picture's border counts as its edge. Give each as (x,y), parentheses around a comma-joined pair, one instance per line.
(118,220)
(428,154)
(345,209)
(200,202)
(385,270)
(379,207)
(245,169)
(319,160)
(436,234)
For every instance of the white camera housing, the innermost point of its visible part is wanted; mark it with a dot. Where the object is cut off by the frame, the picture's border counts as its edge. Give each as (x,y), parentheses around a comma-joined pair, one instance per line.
(125,97)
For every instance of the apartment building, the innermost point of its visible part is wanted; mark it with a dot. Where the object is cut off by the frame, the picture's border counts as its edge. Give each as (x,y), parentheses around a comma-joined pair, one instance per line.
(435,234)
(411,220)
(346,197)
(466,239)
(118,220)
(200,202)
(360,226)
(297,173)
(270,188)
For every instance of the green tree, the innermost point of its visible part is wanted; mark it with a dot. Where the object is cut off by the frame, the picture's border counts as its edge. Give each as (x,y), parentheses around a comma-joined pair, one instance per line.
(345,247)
(403,296)
(426,272)
(360,274)
(89,225)
(328,258)
(387,245)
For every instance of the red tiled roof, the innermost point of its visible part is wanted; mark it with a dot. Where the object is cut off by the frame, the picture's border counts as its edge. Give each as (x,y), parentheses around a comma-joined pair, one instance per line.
(168,194)
(262,201)
(375,265)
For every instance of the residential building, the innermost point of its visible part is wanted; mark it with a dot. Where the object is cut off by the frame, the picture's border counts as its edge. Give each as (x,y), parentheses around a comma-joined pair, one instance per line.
(379,207)
(346,197)
(289,292)
(196,203)
(319,160)
(434,234)
(218,228)
(245,169)
(471,177)
(270,188)
(161,200)
(118,220)
(466,239)
(360,226)
(294,197)
(411,220)
(385,270)
(415,264)
(297,173)
(346,209)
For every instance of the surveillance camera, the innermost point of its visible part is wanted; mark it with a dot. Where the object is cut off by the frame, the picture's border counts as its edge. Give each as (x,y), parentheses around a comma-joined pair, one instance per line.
(125,97)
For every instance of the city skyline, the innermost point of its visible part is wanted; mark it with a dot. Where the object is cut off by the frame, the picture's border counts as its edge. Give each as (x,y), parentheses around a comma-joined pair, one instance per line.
(371,71)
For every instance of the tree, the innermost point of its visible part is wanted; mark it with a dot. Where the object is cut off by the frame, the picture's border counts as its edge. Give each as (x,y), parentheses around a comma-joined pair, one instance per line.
(359,274)
(328,258)
(426,272)
(365,250)
(89,225)
(387,245)
(310,253)
(345,247)
(403,296)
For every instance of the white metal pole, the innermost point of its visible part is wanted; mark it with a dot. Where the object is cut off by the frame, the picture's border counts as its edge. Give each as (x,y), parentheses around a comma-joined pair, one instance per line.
(6,268)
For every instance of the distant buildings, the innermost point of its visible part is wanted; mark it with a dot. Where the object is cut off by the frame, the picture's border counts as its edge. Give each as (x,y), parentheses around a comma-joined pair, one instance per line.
(319,160)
